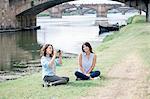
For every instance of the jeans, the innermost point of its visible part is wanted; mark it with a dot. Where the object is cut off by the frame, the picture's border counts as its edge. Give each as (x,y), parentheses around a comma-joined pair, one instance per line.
(55,80)
(84,77)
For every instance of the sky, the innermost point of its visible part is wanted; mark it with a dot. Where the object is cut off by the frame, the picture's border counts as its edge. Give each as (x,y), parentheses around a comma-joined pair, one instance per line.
(94,2)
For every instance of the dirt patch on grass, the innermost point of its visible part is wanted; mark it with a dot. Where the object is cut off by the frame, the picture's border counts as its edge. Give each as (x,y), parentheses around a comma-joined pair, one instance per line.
(127,80)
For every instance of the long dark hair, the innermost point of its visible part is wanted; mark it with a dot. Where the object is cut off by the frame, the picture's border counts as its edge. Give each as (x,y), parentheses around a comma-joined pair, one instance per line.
(88,45)
(43,50)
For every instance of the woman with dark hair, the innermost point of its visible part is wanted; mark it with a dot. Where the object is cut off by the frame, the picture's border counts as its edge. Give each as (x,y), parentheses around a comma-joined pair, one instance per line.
(48,67)
(87,62)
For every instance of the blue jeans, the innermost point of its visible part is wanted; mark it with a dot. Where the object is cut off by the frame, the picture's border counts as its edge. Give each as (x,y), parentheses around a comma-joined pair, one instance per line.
(84,77)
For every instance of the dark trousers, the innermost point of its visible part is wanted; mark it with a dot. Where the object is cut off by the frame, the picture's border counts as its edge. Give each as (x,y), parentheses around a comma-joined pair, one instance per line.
(55,80)
(84,77)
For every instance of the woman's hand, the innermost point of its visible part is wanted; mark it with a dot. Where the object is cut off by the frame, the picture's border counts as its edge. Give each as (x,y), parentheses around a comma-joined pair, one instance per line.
(55,53)
(87,75)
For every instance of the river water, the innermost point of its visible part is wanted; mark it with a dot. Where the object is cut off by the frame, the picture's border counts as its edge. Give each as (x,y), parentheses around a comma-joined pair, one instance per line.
(66,34)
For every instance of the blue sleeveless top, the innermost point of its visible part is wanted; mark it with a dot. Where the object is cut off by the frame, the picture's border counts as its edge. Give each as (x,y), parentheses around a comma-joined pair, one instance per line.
(87,63)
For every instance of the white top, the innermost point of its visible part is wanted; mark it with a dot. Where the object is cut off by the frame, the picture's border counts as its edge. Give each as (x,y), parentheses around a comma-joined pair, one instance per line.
(87,62)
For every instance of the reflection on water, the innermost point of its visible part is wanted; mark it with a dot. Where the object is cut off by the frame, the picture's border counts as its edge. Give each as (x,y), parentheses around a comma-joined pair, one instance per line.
(17,47)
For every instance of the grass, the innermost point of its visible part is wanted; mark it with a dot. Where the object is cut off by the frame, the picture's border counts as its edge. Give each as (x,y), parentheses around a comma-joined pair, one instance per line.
(136,19)
(134,37)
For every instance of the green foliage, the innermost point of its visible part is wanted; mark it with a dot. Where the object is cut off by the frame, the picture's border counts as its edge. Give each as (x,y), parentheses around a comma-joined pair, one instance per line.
(139,19)
(136,19)
(129,21)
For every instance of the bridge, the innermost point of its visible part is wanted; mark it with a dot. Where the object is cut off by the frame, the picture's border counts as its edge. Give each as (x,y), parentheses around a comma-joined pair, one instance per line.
(143,5)
(101,9)
(22,13)
(123,10)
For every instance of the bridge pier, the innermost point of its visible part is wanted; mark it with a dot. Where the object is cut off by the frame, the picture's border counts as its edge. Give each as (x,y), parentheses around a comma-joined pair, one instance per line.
(9,20)
(55,12)
(101,11)
(19,14)
(7,16)
(26,21)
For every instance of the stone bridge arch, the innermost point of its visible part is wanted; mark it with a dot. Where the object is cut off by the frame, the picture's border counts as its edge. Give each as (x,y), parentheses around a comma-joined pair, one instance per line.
(56,12)
(88,9)
(27,17)
(22,13)
(101,10)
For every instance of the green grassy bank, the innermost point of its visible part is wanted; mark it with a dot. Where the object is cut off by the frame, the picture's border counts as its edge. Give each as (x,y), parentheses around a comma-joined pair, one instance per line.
(134,37)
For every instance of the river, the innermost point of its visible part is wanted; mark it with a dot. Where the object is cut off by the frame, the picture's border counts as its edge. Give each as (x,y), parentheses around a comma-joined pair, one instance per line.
(67,34)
